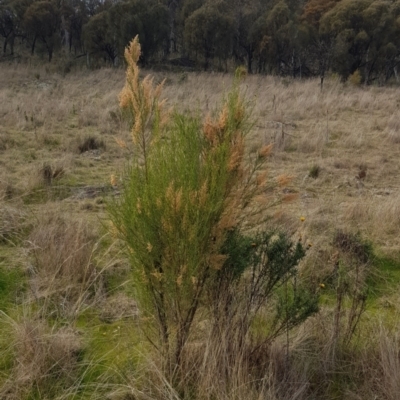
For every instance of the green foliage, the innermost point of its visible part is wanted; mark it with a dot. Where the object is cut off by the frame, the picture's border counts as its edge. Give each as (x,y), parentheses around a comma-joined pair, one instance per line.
(179,214)
(108,32)
(286,37)
(239,249)
(352,269)
(295,304)
(209,30)
(178,203)
(42,21)
(168,215)
(257,296)
(274,272)
(11,282)
(270,256)
(100,37)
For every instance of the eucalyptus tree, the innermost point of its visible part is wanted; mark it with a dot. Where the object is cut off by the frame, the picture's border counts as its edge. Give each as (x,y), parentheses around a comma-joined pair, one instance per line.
(12,21)
(99,37)
(319,44)
(7,25)
(209,31)
(250,30)
(42,22)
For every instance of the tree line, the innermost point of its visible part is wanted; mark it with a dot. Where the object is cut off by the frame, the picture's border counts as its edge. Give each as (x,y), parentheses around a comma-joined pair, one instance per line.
(287,37)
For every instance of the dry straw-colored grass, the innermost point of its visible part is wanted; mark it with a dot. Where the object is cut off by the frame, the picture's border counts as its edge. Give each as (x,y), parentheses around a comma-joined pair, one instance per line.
(63,274)
(45,359)
(43,118)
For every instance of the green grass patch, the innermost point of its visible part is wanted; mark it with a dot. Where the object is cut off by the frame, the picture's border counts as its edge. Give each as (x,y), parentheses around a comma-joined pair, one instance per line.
(386,276)
(42,194)
(12,283)
(112,349)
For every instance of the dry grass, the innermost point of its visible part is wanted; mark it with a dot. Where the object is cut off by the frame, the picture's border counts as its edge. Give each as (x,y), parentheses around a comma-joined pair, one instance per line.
(45,117)
(45,360)
(337,129)
(13,223)
(63,275)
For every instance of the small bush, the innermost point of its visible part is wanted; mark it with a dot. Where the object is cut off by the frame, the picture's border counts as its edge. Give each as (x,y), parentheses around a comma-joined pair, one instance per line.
(91,143)
(49,173)
(353,246)
(314,171)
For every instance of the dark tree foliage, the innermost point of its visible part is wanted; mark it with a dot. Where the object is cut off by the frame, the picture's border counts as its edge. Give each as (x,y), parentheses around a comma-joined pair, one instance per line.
(7,27)
(108,32)
(42,22)
(284,37)
(209,31)
(11,21)
(74,15)
(100,37)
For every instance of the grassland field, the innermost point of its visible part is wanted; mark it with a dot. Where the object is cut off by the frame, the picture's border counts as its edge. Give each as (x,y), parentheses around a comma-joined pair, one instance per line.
(64,145)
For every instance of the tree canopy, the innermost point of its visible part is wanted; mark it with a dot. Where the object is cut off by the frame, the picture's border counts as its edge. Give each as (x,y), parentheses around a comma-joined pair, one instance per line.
(285,37)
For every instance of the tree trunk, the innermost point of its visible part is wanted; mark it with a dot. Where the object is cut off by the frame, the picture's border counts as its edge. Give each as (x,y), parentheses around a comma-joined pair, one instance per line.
(249,61)
(33,46)
(12,38)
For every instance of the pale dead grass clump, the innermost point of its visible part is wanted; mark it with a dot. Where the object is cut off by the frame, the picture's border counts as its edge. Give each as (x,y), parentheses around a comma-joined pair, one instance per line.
(312,364)
(45,359)
(379,215)
(43,180)
(6,141)
(218,370)
(389,363)
(239,370)
(63,273)
(393,128)
(13,223)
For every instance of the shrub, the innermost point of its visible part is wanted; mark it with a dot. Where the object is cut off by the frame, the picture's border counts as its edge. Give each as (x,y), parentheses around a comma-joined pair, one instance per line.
(90,143)
(352,268)
(180,214)
(314,171)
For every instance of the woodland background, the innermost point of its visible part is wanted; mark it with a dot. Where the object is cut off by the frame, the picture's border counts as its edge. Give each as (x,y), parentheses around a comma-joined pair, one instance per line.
(284,37)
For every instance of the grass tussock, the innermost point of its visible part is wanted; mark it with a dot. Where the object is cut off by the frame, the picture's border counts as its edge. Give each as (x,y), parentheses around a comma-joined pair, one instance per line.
(63,274)
(90,143)
(13,224)
(44,360)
